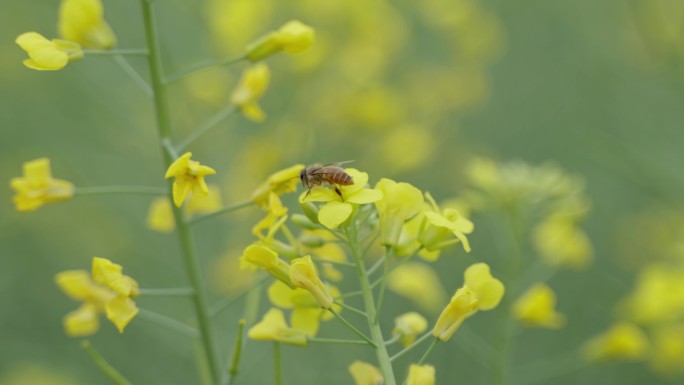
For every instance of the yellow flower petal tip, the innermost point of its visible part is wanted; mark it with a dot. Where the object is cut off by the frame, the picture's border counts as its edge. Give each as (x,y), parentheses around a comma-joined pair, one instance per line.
(189,176)
(421,375)
(48,55)
(364,373)
(623,341)
(250,89)
(401,202)
(408,326)
(536,308)
(293,37)
(38,187)
(303,274)
(274,328)
(82,21)
(281,182)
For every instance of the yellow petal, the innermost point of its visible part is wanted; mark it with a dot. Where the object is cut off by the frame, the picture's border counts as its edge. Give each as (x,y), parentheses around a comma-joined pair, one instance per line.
(43,53)
(365,373)
(303,274)
(421,375)
(408,326)
(82,322)
(364,196)
(536,307)
(306,319)
(488,289)
(295,37)
(281,295)
(420,284)
(623,341)
(463,304)
(333,214)
(121,311)
(109,274)
(160,216)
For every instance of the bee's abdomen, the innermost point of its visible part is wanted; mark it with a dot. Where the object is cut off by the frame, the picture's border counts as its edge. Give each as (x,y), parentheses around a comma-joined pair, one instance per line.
(341,178)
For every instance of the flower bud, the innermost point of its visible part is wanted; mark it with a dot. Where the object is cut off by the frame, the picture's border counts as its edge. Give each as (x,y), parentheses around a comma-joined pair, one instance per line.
(293,37)
(303,274)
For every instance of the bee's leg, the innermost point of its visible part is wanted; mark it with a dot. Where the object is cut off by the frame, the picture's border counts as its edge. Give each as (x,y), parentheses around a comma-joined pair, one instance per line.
(307,193)
(337,190)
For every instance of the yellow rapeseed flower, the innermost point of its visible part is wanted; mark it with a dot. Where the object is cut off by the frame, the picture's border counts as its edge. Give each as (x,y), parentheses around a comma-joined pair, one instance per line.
(276,210)
(419,283)
(48,55)
(421,375)
(408,326)
(481,291)
(160,215)
(536,308)
(442,226)
(263,257)
(189,175)
(274,328)
(337,209)
(561,242)
(401,202)
(38,187)
(109,292)
(303,274)
(667,355)
(306,312)
(83,21)
(293,37)
(324,250)
(365,373)
(279,183)
(205,204)
(658,296)
(623,341)
(250,89)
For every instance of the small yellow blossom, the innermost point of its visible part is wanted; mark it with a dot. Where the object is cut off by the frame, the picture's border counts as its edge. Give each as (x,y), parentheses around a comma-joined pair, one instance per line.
(561,242)
(324,250)
(303,274)
(205,204)
(441,226)
(623,341)
(365,373)
(536,308)
(160,216)
(338,209)
(37,186)
(306,312)
(48,55)
(274,328)
(293,37)
(109,292)
(261,256)
(419,283)
(658,295)
(408,326)
(83,21)
(481,291)
(189,175)
(249,90)
(401,202)
(421,375)
(279,183)
(667,354)
(276,210)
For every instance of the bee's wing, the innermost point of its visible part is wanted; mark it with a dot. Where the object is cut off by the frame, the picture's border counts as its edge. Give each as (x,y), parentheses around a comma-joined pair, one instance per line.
(337,164)
(328,169)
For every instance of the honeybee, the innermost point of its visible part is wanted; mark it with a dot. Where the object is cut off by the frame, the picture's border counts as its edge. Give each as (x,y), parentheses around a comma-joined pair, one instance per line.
(331,173)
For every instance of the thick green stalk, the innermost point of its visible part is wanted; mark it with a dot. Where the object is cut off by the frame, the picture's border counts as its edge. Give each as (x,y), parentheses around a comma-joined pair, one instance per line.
(376,333)
(185,236)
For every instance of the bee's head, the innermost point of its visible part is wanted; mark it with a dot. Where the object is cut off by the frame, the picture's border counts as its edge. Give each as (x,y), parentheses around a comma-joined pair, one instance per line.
(304,178)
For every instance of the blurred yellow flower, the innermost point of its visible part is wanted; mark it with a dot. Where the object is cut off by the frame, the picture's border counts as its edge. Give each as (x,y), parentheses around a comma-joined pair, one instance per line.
(109,292)
(261,256)
(303,274)
(408,326)
(48,55)
(338,209)
(407,148)
(279,183)
(250,89)
(205,204)
(189,175)
(306,311)
(37,186)
(325,250)
(623,341)
(658,295)
(481,291)
(274,328)
(160,215)
(667,353)
(365,373)
(561,242)
(421,375)
(536,308)
(293,37)
(400,203)
(83,21)
(441,226)
(419,283)
(276,211)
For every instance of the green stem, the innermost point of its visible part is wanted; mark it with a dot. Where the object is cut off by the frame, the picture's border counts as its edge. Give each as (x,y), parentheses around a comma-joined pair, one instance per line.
(355,293)
(173,291)
(383,282)
(101,363)
(117,52)
(337,341)
(351,308)
(203,67)
(410,347)
(277,364)
(338,263)
(187,241)
(434,343)
(376,333)
(380,262)
(113,190)
(237,353)
(205,127)
(169,323)
(224,210)
(133,74)
(353,328)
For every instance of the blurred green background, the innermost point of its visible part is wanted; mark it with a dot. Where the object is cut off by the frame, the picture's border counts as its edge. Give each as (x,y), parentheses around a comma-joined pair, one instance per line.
(411,91)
